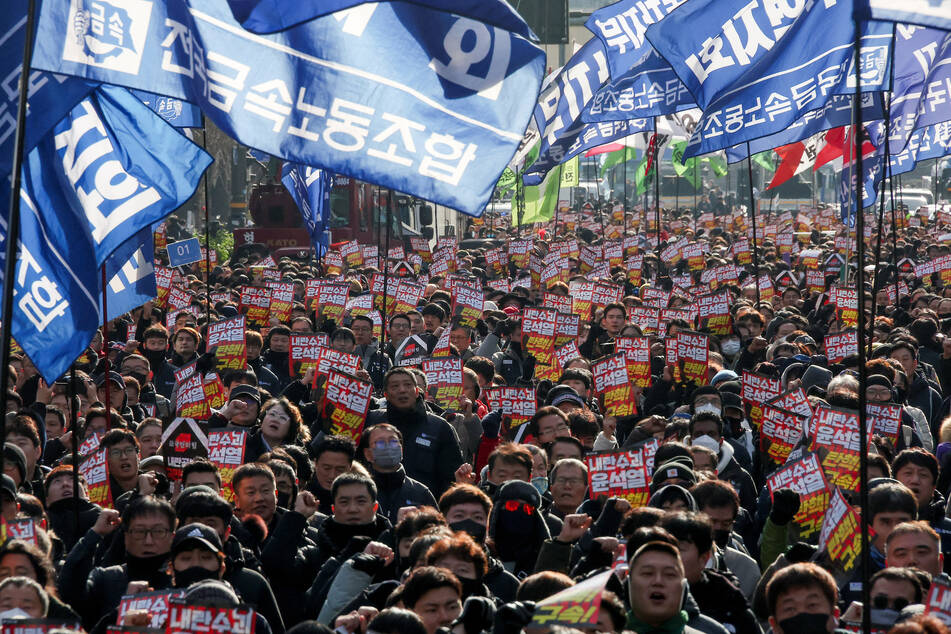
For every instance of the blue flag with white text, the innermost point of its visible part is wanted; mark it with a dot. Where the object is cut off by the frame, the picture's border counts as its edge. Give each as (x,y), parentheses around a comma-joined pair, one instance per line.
(926,143)
(439,120)
(933,13)
(649,88)
(50,96)
(922,82)
(130,276)
(310,188)
(270,16)
(756,68)
(108,171)
(180,114)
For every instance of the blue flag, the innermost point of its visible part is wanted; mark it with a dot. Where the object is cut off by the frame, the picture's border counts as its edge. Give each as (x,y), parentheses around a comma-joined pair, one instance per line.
(922,82)
(933,13)
(270,16)
(755,69)
(649,88)
(310,188)
(438,120)
(180,114)
(927,143)
(621,27)
(848,187)
(108,171)
(50,96)
(836,113)
(130,277)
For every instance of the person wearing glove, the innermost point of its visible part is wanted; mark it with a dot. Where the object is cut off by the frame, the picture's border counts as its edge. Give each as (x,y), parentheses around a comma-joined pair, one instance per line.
(504,346)
(775,533)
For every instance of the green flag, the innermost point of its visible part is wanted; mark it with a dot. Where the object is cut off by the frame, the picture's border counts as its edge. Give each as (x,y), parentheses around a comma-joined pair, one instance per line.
(569,173)
(717,164)
(617,157)
(765,160)
(689,169)
(540,200)
(640,177)
(506,182)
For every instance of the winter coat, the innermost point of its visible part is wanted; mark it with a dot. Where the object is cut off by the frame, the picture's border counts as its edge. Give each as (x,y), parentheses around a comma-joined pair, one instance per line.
(396,490)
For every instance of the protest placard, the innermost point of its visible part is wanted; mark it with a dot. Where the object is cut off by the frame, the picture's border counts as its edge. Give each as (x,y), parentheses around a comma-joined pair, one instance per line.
(38,626)
(346,403)
(619,474)
(185,618)
(841,345)
(282,300)
(444,382)
(517,405)
(793,401)
(566,353)
(780,431)
(693,350)
(841,537)
(612,383)
(581,293)
(332,300)
(834,437)
(884,420)
(577,606)
(467,305)
(154,603)
(226,451)
(756,390)
(938,603)
(214,389)
(190,400)
(538,340)
(255,304)
(95,470)
(567,328)
(183,441)
(227,339)
(21,529)
(805,477)
(303,353)
(636,352)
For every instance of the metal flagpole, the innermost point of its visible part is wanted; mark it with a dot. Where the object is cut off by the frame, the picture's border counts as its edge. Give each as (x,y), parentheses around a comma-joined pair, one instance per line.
(71,394)
(624,161)
(860,285)
(749,171)
(13,222)
(878,240)
(386,268)
(657,181)
(204,146)
(105,347)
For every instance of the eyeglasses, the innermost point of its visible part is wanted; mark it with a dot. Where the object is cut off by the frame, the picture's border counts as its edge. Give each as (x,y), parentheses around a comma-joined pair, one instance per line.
(884,602)
(383,444)
(139,534)
(516,505)
(278,414)
(119,453)
(566,481)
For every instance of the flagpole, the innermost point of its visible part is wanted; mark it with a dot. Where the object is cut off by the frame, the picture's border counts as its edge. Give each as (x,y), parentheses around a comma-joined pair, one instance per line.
(860,285)
(204,177)
(71,394)
(105,346)
(749,171)
(625,188)
(13,221)
(657,180)
(386,268)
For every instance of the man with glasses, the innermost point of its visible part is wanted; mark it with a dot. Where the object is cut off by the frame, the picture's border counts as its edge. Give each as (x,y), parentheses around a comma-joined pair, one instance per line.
(122,457)
(569,483)
(548,423)
(148,524)
(395,489)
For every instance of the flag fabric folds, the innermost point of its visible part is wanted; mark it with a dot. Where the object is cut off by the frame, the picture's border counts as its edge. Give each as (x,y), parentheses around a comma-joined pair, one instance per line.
(270,16)
(621,27)
(755,69)
(439,121)
(310,188)
(109,170)
(180,114)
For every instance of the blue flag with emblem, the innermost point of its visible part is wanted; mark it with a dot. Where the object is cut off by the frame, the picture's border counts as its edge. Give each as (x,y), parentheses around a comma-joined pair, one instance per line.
(621,27)
(310,188)
(180,114)
(50,96)
(270,16)
(440,120)
(106,172)
(130,276)
(926,143)
(756,68)
(922,87)
(933,13)
(649,88)
(836,113)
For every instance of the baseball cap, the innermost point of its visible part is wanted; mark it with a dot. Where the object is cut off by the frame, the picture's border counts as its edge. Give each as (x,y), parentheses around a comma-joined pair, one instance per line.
(196,535)
(564,393)
(247,391)
(114,376)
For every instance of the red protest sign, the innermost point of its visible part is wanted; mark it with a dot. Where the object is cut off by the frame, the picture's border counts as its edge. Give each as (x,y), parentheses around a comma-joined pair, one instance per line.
(577,606)
(756,390)
(444,381)
(566,353)
(226,452)
(303,352)
(332,300)
(196,619)
(256,304)
(636,351)
(567,328)
(346,403)
(467,304)
(329,359)
(793,401)
(561,303)
(227,339)
(95,470)
(155,604)
(581,294)
(834,437)
(841,537)
(779,433)
(806,478)
(408,295)
(693,350)
(842,345)
(538,340)
(190,401)
(183,440)
(38,626)
(517,405)
(619,474)
(939,599)
(214,390)
(282,300)
(23,530)
(884,420)
(613,384)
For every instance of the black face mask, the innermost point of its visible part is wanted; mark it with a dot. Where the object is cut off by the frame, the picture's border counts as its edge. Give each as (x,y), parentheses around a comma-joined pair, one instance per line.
(141,378)
(284,500)
(155,357)
(470,587)
(900,394)
(805,623)
(187,577)
(474,529)
(721,537)
(490,488)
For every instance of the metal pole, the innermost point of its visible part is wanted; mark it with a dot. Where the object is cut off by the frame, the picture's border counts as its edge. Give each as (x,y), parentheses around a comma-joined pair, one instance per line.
(625,187)
(386,269)
(749,171)
(204,177)
(105,346)
(13,223)
(657,181)
(863,371)
(73,417)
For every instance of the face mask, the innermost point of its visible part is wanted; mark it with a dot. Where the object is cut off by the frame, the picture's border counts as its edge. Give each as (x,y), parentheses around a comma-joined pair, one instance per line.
(387,457)
(13,614)
(706,441)
(284,500)
(730,347)
(721,537)
(474,529)
(141,378)
(470,587)
(735,425)
(884,617)
(540,483)
(192,575)
(707,408)
(805,623)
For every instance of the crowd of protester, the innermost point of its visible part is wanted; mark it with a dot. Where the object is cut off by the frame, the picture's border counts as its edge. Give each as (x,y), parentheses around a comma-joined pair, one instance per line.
(435,520)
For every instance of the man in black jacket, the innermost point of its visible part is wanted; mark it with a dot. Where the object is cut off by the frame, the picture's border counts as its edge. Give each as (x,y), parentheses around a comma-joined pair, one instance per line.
(147,525)
(395,489)
(433,454)
(61,503)
(917,469)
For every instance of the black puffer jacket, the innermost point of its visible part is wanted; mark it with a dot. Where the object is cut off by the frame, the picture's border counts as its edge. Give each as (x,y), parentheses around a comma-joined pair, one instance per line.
(62,514)
(396,490)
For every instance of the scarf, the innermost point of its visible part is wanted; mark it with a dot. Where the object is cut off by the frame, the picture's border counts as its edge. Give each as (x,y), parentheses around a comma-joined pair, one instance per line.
(673,625)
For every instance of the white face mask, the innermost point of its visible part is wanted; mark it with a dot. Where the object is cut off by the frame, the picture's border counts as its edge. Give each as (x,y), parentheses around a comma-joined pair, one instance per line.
(13,614)
(708,442)
(707,408)
(730,347)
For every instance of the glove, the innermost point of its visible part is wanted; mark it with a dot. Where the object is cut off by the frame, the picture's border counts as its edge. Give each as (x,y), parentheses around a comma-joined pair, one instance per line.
(785,506)
(800,552)
(492,423)
(528,368)
(512,617)
(505,327)
(478,614)
(367,563)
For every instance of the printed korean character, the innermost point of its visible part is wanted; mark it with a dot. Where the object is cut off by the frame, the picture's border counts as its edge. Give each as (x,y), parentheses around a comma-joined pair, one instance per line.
(804,92)
(42,302)
(271,100)
(348,125)
(745,50)
(754,120)
(710,58)
(446,158)
(304,130)
(400,129)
